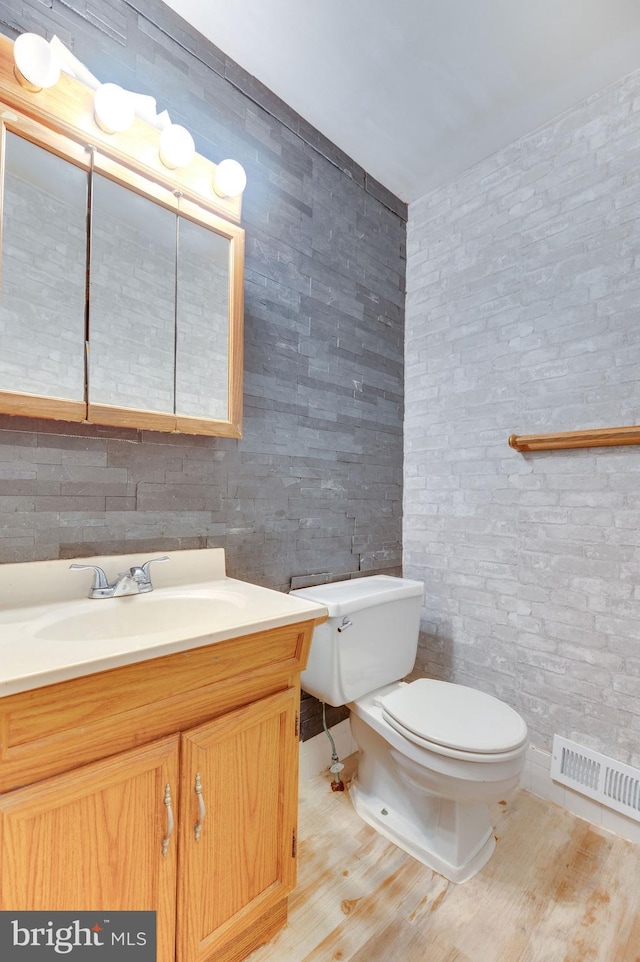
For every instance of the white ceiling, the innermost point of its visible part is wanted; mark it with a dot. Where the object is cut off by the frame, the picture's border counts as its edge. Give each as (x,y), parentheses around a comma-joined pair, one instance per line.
(416,91)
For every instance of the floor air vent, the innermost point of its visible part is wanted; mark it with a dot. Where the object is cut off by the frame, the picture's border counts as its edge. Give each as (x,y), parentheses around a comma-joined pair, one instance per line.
(607,781)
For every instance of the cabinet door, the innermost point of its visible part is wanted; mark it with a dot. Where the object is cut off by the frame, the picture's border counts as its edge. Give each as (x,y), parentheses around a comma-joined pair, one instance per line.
(237,837)
(92,839)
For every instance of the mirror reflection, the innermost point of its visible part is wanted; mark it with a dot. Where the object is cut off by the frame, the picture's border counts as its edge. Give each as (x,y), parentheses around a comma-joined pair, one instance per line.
(159,307)
(121,300)
(132,299)
(202,331)
(44,241)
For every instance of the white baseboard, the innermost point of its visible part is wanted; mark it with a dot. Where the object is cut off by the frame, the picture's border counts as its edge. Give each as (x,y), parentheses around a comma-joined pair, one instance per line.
(537,779)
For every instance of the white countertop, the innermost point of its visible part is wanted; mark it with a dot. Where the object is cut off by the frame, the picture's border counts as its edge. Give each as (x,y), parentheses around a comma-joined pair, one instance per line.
(50,631)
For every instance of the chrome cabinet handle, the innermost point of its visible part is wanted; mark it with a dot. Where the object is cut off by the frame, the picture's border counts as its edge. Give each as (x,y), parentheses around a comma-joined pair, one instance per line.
(167,802)
(197,828)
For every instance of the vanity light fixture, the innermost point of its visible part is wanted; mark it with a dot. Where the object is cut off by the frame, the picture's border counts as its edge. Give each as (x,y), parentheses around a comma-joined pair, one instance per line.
(36,66)
(177,148)
(229,179)
(113,108)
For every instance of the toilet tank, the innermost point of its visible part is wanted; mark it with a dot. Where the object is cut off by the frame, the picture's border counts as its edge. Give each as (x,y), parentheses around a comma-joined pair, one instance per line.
(369,640)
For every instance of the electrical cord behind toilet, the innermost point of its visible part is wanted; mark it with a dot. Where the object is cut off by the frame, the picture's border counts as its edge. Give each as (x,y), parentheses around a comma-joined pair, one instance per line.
(337,785)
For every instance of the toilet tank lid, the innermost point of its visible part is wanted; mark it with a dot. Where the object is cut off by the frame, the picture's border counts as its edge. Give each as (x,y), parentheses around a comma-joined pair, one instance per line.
(343,597)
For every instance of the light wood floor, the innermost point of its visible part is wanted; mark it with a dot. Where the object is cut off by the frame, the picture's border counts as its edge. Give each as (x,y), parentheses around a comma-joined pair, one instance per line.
(556,890)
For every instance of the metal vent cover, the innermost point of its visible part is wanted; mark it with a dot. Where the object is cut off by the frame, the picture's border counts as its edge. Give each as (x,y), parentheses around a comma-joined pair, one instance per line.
(599,777)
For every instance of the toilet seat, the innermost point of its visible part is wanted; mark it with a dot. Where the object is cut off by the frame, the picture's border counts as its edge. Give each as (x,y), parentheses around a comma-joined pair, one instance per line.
(454,720)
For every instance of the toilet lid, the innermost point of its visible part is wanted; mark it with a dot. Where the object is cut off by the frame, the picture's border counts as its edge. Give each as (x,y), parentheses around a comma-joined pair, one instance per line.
(455,716)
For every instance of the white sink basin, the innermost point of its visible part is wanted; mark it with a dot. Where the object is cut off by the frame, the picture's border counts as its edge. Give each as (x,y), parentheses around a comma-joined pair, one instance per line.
(148,614)
(50,631)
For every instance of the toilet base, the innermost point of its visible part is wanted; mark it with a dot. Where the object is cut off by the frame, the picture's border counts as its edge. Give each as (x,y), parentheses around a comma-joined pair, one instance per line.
(433,806)
(447,820)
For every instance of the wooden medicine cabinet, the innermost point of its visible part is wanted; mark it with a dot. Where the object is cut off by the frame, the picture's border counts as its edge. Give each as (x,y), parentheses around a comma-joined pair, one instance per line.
(122,280)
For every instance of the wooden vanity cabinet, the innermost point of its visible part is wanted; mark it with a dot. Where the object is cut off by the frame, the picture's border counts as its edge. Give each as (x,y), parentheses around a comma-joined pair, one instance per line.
(243,865)
(89,839)
(194,755)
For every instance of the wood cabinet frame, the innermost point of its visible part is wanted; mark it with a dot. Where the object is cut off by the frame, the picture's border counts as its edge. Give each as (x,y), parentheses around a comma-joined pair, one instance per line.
(68,746)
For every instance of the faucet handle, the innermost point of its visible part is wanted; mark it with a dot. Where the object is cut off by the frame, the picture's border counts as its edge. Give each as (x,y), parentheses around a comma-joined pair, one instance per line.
(100,579)
(145,567)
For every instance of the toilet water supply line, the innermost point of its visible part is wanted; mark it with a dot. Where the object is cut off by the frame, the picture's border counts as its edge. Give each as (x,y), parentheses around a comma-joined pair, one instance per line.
(337,785)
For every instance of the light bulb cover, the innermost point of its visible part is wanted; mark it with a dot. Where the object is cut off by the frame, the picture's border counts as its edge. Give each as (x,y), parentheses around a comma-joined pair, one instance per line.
(36,64)
(177,148)
(113,108)
(229,179)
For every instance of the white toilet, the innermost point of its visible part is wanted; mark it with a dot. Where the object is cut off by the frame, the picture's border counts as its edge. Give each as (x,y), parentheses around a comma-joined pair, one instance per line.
(433,755)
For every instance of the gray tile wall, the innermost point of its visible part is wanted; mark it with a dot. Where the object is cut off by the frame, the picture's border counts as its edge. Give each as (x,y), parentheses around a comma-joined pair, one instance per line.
(314,486)
(523,292)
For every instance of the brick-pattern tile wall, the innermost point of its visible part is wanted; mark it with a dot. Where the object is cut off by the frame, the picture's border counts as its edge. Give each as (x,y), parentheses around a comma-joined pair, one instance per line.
(523,316)
(314,486)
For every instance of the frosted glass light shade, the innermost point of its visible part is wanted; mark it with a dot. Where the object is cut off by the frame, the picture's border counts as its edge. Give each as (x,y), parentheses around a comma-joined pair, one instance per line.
(113,108)
(36,65)
(229,179)
(177,148)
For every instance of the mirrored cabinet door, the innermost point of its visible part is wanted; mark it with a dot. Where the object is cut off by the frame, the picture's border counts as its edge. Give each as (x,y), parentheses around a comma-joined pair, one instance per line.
(120,300)
(202,322)
(132,300)
(44,251)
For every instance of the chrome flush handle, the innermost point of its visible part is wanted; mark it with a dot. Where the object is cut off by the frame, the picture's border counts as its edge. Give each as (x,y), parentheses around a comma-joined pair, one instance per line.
(346,623)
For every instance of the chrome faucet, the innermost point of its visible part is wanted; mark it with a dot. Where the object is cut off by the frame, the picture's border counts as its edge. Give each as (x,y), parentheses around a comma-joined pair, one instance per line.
(135,581)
